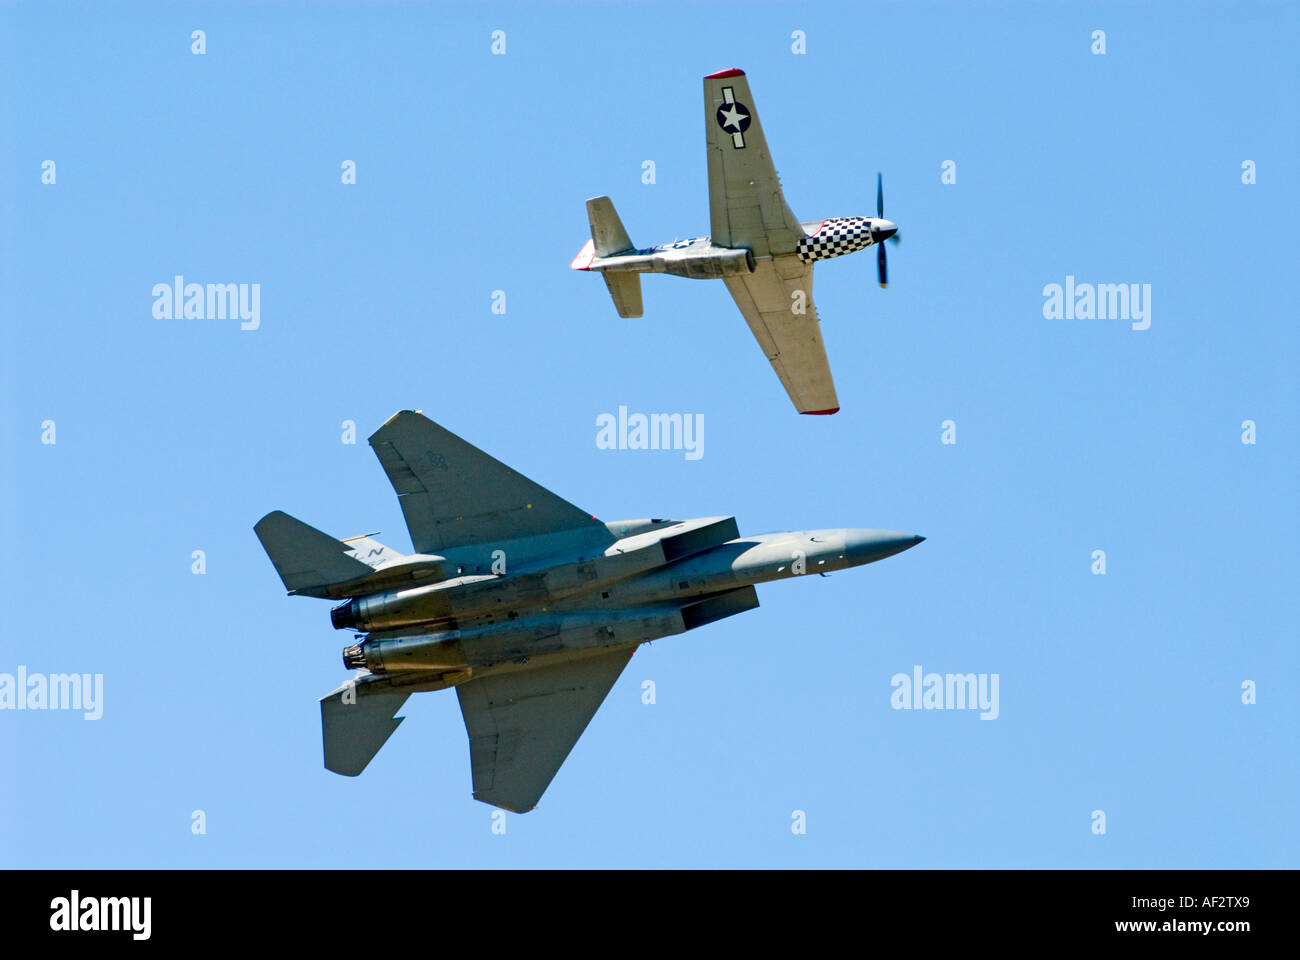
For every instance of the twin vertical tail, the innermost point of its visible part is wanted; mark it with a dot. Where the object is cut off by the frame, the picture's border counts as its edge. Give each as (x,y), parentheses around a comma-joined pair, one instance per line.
(313,564)
(609,239)
(307,560)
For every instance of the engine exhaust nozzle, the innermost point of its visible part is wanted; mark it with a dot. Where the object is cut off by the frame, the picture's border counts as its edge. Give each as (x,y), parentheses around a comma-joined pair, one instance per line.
(344,616)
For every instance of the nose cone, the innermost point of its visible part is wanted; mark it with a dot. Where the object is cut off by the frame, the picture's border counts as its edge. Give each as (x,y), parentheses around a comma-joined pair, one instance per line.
(883,230)
(868,546)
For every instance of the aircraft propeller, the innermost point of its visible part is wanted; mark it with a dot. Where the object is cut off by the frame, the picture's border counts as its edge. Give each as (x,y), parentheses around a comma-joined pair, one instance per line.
(882,267)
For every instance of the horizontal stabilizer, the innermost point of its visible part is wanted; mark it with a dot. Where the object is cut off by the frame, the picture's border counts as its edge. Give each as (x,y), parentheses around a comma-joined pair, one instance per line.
(355,728)
(625,291)
(305,558)
(607,233)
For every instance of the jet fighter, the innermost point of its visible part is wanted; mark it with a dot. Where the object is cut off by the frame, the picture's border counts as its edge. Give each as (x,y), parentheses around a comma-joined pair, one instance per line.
(527,605)
(757,248)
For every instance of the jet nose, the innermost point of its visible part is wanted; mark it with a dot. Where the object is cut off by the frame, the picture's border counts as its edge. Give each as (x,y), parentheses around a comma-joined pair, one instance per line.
(883,230)
(868,546)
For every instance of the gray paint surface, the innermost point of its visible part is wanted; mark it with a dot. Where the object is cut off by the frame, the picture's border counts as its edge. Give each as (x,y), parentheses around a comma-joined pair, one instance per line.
(525,604)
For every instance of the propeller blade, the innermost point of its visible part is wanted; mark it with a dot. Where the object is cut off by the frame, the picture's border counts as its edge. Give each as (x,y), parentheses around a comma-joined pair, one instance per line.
(880,196)
(880,265)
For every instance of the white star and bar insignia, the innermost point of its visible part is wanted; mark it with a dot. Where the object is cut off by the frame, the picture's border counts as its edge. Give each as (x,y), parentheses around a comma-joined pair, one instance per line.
(733,117)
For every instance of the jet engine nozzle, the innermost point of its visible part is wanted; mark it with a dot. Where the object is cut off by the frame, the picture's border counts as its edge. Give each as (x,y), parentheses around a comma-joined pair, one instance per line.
(354,658)
(344,616)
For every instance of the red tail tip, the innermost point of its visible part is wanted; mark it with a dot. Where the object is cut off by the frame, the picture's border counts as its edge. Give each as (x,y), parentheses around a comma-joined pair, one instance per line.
(722,75)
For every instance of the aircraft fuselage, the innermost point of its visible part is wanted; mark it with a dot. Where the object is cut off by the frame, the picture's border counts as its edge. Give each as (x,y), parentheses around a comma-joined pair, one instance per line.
(637,589)
(700,259)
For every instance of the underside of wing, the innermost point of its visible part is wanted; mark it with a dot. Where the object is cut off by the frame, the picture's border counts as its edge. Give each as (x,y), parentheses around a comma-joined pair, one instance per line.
(776,300)
(453,494)
(746,205)
(523,724)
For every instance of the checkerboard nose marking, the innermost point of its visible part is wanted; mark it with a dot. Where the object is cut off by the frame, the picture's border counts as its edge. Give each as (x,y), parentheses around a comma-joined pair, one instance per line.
(835,238)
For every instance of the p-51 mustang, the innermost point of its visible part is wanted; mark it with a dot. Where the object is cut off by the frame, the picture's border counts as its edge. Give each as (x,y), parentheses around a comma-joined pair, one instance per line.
(758,248)
(528,606)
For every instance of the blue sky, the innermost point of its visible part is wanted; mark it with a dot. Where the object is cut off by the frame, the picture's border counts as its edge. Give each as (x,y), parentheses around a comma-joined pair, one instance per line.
(1119,692)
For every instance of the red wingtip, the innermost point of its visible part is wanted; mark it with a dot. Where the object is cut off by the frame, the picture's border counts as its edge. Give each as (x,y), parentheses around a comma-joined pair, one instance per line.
(820,413)
(722,75)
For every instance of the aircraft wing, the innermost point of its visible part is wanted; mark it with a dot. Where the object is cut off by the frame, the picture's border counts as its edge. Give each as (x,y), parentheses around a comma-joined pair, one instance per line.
(453,494)
(522,725)
(792,341)
(746,206)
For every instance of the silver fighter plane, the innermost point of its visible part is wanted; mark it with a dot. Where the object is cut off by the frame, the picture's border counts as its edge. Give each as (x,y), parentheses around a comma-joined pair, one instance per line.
(525,604)
(758,248)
